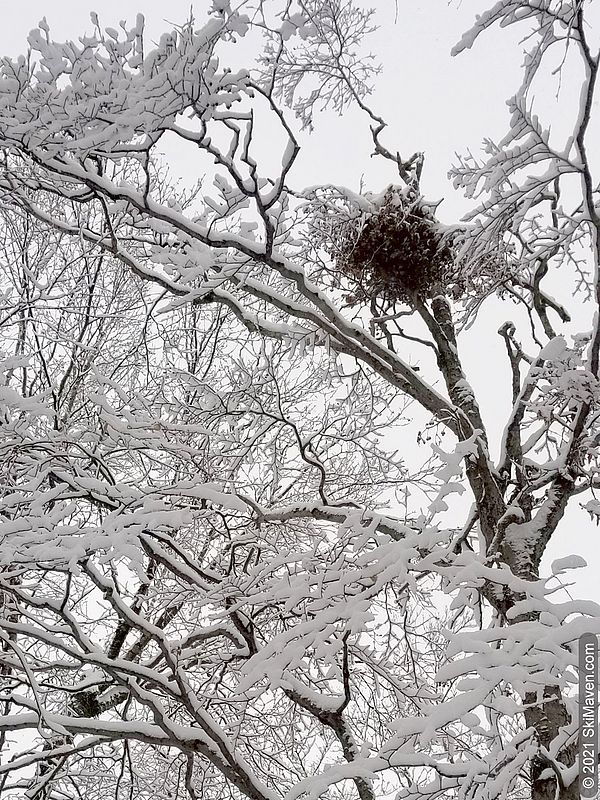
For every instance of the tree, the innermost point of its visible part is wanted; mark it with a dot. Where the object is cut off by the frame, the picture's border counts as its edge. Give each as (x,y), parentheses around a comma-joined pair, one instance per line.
(218,579)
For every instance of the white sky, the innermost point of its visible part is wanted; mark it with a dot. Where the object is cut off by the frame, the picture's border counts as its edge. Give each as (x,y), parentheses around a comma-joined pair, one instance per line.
(432,102)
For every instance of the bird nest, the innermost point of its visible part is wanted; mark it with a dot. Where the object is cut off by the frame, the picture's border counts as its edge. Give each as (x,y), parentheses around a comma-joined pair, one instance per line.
(395,252)
(86,704)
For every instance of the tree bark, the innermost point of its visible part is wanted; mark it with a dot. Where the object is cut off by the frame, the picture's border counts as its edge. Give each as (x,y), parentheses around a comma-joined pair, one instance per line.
(546,717)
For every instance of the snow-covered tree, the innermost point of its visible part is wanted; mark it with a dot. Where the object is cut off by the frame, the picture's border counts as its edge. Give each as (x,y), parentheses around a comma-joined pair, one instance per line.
(219,576)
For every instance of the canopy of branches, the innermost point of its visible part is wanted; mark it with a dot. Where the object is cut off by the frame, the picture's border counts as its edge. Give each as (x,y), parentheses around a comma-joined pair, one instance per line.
(255,541)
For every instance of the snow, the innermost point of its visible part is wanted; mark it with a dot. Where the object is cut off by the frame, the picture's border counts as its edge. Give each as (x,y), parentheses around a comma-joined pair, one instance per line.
(561,565)
(162,482)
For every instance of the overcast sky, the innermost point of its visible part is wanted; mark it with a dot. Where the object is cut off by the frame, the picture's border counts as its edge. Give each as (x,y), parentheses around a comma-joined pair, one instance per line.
(432,102)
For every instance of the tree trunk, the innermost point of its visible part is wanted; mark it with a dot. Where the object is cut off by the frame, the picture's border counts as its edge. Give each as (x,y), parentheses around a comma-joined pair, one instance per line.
(547,719)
